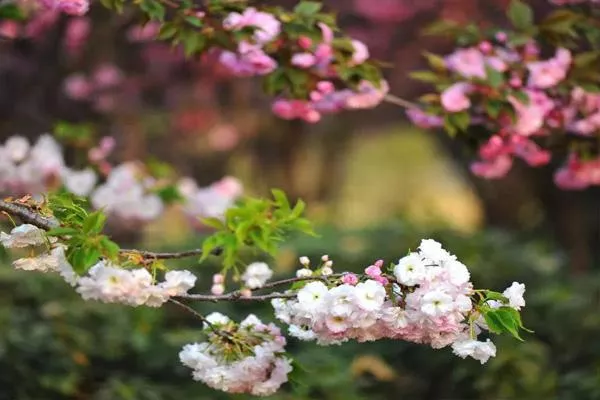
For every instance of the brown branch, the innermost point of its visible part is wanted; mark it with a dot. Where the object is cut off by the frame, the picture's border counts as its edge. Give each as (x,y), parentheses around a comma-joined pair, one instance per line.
(236,295)
(30,216)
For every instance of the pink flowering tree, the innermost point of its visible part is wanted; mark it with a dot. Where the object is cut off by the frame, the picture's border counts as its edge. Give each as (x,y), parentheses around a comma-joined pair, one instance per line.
(501,80)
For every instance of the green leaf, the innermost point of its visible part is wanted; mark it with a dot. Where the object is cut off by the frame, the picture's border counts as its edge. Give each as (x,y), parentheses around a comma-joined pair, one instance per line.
(493,108)
(442,27)
(167,31)
(460,120)
(298,209)
(62,231)
(12,12)
(193,43)
(520,14)
(425,76)
(308,8)
(494,77)
(154,9)
(195,21)
(170,194)
(213,222)
(110,248)
(94,222)
(504,319)
(435,62)
(281,199)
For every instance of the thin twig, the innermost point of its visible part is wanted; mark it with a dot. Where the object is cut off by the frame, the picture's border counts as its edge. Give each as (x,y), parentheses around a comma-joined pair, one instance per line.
(236,296)
(169,256)
(213,328)
(390,98)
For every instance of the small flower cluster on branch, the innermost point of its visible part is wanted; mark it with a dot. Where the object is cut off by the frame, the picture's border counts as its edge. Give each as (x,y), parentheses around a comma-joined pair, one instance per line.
(427,299)
(246,357)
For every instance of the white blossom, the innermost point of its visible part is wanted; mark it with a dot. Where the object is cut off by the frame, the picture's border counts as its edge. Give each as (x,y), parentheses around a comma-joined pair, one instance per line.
(256,275)
(25,235)
(410,270)
(514,294)
(481,351)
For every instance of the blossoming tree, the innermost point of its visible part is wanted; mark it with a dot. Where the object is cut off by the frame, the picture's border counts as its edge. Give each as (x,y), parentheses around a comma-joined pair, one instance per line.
(533,105)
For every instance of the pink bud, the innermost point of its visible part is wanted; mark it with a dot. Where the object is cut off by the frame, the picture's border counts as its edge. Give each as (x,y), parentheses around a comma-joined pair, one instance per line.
(218,279)
(325,87)
(217,289)
(107,144)
(246,292)
(501,37)
(305,42)
(379,263)
(373,271)
(485,46)
(381,279)
(515,82)
(350,279)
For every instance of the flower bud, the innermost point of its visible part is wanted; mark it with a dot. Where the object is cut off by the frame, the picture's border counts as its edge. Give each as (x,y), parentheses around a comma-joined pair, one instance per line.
(304,272)
(325,258)
(329,264)
(245,292)
(304,261)
(218,278)
(217,289)
(326,271)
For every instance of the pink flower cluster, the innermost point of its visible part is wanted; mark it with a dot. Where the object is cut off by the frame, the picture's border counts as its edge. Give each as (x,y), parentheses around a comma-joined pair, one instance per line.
(97,88)
(260,368)
(325,99)
(110,284)
(534,89)
(426,300)
(250,59)
(71,7)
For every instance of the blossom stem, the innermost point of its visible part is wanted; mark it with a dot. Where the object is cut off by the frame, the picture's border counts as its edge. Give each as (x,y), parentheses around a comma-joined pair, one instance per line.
(392,99)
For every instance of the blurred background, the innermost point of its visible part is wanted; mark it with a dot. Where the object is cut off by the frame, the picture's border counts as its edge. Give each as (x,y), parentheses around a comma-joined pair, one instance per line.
(374,185)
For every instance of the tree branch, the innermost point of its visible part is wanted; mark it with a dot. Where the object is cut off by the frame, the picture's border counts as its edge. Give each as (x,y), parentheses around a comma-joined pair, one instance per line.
(30,216)
(390,98)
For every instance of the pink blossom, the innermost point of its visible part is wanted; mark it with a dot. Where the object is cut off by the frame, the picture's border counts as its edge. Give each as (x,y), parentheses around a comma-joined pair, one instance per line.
(530,117)
(305,42)
(455,99)
(361,52)
(267,26)
(77,87)
(423,120)
(571,176)
(367,95)
(303,60)
(492,169)
(9,29)
(143,33)
(547,74)
(218,278)
(107,75)
(77,33)
(350,279)
(469,62)
(530,152)
(229,187)
(250,60)
(373,271)
(72,7)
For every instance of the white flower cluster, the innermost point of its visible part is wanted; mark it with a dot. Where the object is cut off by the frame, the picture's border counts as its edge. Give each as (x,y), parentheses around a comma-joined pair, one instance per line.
(29,236)
(110,284)
(104,282)
(126,195)
(211,201)
(29,169)
(257,366)
(429,303)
